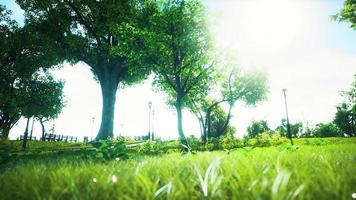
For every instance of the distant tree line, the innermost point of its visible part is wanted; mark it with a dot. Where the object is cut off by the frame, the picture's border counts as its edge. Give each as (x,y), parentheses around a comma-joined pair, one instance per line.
(343,125)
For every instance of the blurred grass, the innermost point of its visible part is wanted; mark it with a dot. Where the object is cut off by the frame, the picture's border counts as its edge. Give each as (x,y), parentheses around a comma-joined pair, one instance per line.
(324,170)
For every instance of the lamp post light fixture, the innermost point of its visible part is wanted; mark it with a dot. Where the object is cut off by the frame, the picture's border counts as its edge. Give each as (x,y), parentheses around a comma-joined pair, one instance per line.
(33,89)
(149,119)
(288,124)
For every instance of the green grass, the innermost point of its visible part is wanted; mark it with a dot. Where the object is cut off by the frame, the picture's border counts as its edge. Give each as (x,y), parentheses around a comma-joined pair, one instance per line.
(324,171)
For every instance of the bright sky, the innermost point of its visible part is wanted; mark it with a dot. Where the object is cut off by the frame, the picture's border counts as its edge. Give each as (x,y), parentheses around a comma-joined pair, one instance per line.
(295,41)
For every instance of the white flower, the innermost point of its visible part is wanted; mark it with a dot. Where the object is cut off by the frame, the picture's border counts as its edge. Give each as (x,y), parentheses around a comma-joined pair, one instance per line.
(114,179)
(353,195)
(94,180)
(117,159)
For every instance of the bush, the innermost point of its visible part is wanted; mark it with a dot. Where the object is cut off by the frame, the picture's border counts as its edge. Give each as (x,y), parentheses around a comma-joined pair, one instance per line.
(108,150)
(6,149)
(277,139)
(229,142)
(264,140)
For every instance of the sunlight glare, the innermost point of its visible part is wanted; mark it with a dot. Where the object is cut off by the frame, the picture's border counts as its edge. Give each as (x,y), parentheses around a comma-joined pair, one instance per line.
(271,24)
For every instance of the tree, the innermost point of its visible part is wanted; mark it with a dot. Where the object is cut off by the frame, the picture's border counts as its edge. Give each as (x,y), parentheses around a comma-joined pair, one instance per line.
(183,65)
(109,36)
(345,117)
(327,130)
(217,120)
(348,13)
(249,87)
(257,128)
(47,101)
(295,129)
(22,54)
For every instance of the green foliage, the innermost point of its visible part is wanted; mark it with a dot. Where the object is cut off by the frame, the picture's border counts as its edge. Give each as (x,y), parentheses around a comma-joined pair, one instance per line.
(345,117)
(109,36)
(108,150)
(295,129)
(48,99)
(181,53)
(229,142)
(23,54)
(218,120)
(250,87)
(6,149)
(327,130)
(348,13)
(257,128)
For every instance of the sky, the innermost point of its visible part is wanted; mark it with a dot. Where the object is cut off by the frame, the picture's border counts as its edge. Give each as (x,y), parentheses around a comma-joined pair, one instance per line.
(294,41)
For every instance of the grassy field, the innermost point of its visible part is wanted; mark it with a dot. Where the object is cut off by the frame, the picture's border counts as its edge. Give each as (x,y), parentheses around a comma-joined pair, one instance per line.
(326,171)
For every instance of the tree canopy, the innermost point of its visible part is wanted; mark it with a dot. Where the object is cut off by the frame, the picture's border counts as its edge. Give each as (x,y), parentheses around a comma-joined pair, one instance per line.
(182,46)
(348,13)
(22,54)
(109,36)
(345,117)
(257,128)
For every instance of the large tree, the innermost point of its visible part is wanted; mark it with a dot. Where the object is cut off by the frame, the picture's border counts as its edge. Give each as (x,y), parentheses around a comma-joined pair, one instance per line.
(109,36)
(22,54)
(183,64)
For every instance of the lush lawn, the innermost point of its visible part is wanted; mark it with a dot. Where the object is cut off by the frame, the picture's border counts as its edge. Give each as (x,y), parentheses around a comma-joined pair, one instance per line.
(326,171)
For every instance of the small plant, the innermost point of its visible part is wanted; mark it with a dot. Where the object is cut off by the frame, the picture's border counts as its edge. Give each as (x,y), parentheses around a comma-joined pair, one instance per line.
(109,150)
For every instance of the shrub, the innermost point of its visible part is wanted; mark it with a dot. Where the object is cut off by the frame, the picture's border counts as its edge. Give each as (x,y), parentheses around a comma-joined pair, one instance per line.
(277,139)
(108,150)
(229,142)
(264,140)
(6,149)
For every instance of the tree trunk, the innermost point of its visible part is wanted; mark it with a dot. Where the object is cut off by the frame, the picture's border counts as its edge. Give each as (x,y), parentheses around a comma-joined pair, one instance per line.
(6,124)
(224,128)
(182,137)
(43,130)
(208,124)
(33,122)
(109,84)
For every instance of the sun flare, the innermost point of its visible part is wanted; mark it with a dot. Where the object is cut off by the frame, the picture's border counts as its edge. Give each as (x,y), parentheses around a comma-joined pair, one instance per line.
(266,23)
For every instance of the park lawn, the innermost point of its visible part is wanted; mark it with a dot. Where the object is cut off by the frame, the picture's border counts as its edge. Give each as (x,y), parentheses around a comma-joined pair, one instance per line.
(326,171)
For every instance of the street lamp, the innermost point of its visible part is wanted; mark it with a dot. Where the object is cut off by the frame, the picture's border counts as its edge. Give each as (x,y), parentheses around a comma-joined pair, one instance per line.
(288,125)
(33,89)
(149,119)
(92,125)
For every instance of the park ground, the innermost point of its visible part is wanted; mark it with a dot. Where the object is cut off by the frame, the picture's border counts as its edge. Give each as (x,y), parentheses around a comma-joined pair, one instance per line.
(313,168)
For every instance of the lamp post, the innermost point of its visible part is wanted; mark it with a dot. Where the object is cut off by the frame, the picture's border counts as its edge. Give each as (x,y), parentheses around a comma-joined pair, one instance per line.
(92,125)
(121,130)
(288,125)
(149,119)
(33,88)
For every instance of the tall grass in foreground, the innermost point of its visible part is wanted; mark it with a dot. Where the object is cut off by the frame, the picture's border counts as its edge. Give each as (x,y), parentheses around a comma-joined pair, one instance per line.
(310,172)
